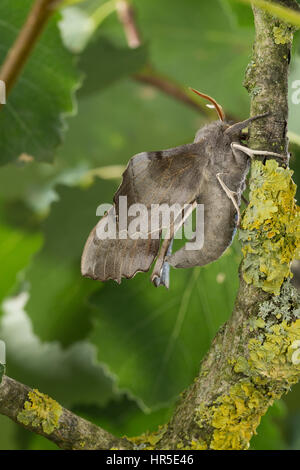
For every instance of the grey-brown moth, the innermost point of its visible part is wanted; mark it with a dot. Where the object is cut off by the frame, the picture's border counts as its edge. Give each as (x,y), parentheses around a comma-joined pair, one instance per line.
(211,171)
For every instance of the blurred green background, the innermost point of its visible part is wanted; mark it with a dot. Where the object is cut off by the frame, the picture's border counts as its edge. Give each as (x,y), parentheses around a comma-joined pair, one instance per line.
(117,355)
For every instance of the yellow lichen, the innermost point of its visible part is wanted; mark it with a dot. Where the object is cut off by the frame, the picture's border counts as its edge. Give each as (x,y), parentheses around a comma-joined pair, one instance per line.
(194,445)
(40,411)
(283,34)
(271,227)
(148,440)
(269,366)
(197,445)
(235,416)
(272,356)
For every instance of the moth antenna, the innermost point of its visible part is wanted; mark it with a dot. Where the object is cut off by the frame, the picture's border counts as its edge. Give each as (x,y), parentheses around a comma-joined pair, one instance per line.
(241,125)
(216,105)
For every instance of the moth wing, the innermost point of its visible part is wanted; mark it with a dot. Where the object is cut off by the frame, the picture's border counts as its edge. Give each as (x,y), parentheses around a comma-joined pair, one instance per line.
(105,259)
(170,176)
(166,177)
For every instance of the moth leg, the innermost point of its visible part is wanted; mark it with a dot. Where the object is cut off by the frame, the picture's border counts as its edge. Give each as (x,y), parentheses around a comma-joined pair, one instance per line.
(158,274)
(251,153)
(231,195)
(164,279)
(158,267)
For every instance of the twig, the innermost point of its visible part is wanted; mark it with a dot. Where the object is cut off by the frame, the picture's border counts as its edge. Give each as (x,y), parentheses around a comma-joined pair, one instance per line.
(149,76)
(26,40)
(126,16)
(174,90)
(71,432)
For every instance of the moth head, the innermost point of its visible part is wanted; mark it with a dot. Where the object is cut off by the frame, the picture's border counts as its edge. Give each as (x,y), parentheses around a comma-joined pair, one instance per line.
(213,104)
(234,132)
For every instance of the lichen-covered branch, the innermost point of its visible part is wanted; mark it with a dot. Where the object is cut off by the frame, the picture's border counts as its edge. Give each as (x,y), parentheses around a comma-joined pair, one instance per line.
(255,357)
(43,415)
(267,79)
(253,360)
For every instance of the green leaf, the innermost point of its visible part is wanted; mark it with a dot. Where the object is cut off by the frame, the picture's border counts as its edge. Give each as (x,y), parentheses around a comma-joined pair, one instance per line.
(294,429)
(294,98)
(209,39)
(125,119)
(32,120)
(154,346)
(79,24)
(17,245)
(113,63)
(195,43)
(39,442)
(76,28)
(123,416)
(239,14)
(8,434)
(269,434)
(57,290)
(70,375)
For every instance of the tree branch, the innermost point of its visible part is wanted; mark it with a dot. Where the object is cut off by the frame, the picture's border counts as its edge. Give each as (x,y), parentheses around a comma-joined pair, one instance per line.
(254,358)
(26,40)
(126,16)
(174,90)
(42,415)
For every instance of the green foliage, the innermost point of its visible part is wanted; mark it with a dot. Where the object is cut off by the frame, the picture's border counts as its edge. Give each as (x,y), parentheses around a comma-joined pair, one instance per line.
(53,276)
(17,245)
(286,14)
(117,355)
(123,62)
(195,44)
(71,375)
(154,349)
(241,14)
(8,438)
(294,97)
(269,436)
(270,227)
(32,120)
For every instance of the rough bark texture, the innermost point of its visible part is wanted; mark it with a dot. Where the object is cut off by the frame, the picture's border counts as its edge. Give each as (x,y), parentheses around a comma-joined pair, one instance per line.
(42,415)
(255,357)
(267,80)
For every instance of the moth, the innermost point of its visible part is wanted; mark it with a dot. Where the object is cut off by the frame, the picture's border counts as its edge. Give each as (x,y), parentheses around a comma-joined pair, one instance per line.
(211,171)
